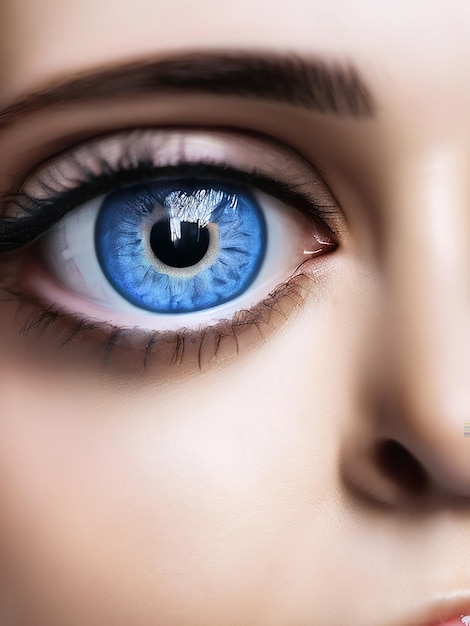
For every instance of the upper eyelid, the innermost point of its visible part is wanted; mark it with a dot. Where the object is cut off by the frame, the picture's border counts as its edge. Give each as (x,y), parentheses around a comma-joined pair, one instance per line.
(44,177)
(126,138)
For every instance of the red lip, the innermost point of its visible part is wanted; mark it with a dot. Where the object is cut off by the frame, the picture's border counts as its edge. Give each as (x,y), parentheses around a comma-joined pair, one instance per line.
(459,621)
(444,610)
(446,613)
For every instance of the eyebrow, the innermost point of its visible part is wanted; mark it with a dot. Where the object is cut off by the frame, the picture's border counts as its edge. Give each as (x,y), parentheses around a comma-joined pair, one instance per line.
(314,84)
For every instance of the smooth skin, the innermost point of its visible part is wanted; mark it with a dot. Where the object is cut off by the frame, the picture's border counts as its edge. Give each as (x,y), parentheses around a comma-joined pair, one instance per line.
(251,492)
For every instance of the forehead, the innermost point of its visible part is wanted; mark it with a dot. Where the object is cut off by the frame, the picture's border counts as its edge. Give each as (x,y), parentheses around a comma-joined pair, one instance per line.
(413,54)
(397,39)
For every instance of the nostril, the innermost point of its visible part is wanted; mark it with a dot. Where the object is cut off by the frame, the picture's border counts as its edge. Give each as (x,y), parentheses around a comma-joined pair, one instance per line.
(401,466)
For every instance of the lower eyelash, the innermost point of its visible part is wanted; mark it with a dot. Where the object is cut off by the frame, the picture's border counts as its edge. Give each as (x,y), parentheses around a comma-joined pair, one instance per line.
(181,352)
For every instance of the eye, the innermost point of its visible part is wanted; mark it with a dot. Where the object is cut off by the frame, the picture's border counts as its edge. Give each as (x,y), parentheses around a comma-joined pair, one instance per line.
(177,247)
(166,230)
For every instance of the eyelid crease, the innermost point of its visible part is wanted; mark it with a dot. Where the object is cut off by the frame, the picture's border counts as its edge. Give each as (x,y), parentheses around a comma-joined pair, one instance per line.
(100,165)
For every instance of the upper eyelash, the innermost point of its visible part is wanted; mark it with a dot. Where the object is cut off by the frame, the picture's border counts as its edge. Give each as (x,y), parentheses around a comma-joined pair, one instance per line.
(34,216)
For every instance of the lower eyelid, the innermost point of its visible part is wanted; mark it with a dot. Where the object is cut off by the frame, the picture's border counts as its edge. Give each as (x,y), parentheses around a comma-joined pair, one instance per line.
(167,355)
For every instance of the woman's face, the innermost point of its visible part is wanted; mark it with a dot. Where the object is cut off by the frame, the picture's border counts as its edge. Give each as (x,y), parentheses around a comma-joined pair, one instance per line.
(291,451)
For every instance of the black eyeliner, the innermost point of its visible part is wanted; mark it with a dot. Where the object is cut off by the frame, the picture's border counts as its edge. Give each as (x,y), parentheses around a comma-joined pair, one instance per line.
(35,216)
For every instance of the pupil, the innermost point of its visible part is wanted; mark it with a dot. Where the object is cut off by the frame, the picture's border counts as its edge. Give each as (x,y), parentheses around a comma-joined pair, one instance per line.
(184,252)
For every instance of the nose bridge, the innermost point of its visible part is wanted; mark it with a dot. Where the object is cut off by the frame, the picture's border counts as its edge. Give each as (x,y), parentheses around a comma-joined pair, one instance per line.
(427,244)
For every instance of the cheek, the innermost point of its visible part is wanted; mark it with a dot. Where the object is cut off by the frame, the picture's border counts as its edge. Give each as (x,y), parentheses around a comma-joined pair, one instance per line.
(183,500)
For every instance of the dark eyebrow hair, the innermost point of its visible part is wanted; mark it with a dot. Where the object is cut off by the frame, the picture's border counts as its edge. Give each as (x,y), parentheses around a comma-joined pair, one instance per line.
(313,84)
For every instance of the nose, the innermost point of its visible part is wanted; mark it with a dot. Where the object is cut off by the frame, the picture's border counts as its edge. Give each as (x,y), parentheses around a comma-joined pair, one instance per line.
(424,399)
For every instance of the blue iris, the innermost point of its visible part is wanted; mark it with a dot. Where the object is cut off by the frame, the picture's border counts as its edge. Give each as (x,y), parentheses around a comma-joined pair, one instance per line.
(180,246)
